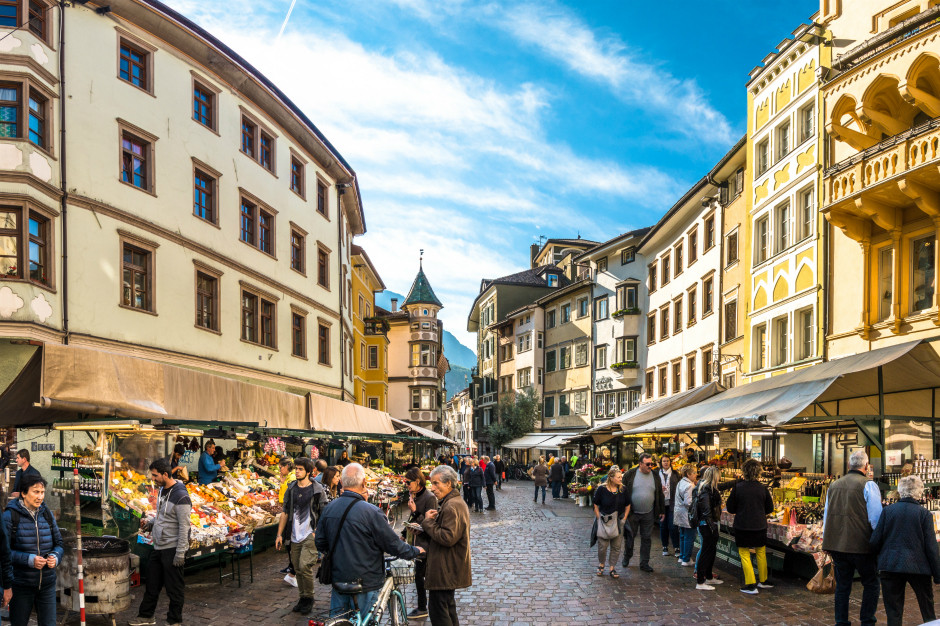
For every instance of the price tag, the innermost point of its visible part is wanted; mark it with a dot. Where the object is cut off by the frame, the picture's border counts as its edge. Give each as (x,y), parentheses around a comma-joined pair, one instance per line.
(126,490)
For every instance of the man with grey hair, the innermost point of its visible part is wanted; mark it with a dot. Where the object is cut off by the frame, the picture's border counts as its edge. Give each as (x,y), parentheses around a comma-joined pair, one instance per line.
(358,536)
(448,566)
(853,507)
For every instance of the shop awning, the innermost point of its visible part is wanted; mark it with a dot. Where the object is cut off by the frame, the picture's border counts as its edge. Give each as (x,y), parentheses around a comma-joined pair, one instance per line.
(423,432)
(62,381)
(845,386)
(328,415)
(556,442)
(526,442)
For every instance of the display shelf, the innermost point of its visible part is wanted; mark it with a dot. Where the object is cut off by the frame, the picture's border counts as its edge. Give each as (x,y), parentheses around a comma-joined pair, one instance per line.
(81,468)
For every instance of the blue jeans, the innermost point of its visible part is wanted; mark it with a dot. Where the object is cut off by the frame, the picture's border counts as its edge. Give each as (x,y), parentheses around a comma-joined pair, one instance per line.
(341,604)
(686,543)
(668,529)
(27,598)
(537,493)
(845,565)
(556,489)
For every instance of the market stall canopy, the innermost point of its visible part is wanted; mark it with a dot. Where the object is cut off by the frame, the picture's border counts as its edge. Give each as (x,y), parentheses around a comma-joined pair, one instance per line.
(526,442)
(61,381)
(845,386)
(557,441)
(402,425)
(329,415)
(648,412)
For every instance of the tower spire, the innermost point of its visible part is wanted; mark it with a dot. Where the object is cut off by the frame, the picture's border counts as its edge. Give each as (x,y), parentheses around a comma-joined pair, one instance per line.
(421,259)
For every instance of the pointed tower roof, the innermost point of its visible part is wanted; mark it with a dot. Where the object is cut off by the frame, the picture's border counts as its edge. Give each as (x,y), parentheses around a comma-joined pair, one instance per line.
(421,292)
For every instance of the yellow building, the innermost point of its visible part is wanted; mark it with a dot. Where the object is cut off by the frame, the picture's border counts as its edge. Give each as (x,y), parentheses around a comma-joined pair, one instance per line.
(370,334)
(881,198)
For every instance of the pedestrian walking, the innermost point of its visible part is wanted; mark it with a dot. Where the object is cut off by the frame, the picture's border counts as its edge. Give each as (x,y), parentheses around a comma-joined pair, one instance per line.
(358,535)
(170,532)
(707,501)
(448,566)
(420,502)
(853,508)
(303,504)
(750,502)
(907,552)
(610,510)
(35,549)
(681,513)
(500,467)
(556,475)
(477,482)
(669,481)
(645,497)
(466,465)
(24,470)
(540,477)
(569,476)
(286,470)
(489,479)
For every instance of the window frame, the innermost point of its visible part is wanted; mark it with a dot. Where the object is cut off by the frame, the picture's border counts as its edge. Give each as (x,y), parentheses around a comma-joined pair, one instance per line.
(324,329)
(690,373)
(146,50)
(759,360)
(692,308)
(709,232)
(296,313)
(783,227)
(213,175)
(600,357)
(731,321)
(260,208)
(731,248)
(762,249)
(651,275)
(150,140)
(323,268)
(259,131)
(216,277)
(261,297)
(213,92)
(806,199)
(664,264)
(602,264)
(149,249)
(323,198)
(762,156)
(780,353)
(677,316)
(783,136)
(650,329)
(43,34)
(664,325)
(628,255)
(806,134)
(692,254)
(298,252)
(372,350)
(708,295)
(25,211)
(931,239)
(300,164)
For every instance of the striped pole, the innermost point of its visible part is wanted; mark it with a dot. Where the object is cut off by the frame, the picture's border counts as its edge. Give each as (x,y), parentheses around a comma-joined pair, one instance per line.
(78,537)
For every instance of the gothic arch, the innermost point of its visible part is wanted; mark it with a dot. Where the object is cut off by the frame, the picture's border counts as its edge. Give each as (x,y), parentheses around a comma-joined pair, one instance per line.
(883,107)
(921,86)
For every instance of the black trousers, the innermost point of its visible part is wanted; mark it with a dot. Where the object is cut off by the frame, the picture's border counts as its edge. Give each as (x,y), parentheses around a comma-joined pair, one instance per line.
(421,568)
(442,608)
(892,590)
(490,497)
(845,565)
(706,555)
(162,573)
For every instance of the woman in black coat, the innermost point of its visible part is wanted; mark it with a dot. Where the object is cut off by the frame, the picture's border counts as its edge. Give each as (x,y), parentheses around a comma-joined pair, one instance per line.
(708,508)
(750,502)
(420,502)
(907,552)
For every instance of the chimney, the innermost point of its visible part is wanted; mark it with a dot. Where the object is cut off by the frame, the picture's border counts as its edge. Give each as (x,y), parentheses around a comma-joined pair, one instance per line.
(533,252)
(394,304)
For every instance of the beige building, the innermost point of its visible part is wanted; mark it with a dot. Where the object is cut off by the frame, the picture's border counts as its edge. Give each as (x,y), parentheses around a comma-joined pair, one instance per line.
(205,222)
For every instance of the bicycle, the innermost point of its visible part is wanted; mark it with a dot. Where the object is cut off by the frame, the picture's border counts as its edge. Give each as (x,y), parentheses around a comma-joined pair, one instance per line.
(521,472)
(390,598)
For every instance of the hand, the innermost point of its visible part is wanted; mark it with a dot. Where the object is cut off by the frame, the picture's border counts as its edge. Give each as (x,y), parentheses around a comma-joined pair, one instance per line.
(278,543)
(662,517)
(7,594)
(431,514)
(51,561)
(39,562)
(179,560)
(420,550)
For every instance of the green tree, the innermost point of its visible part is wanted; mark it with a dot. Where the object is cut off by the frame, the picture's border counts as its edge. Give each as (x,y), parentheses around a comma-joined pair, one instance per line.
(516,418)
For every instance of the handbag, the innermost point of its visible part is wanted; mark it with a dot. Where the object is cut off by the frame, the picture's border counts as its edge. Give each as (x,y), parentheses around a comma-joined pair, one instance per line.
(822,582)
(608,527)
(594,533)
(325,571)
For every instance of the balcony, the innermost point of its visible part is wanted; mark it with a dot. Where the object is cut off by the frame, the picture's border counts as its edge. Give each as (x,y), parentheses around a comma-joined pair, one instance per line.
(629,321)
(487,399)
(626,370)
(376,326)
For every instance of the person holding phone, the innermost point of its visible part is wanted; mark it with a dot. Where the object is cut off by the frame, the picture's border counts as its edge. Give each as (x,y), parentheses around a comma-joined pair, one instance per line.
(420,502)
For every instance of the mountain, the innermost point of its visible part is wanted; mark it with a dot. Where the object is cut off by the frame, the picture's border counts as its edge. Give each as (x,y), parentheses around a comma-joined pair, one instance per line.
(457,379)
(457,354)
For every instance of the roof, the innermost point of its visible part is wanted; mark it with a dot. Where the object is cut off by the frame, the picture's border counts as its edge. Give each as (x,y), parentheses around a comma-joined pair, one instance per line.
(639,232)
(421,292)
(358,251)
(575,286)
(691,193)
(729,156)
(380,312)
(532,277)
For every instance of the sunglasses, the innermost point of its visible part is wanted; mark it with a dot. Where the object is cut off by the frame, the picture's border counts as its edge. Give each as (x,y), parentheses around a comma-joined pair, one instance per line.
(650,464)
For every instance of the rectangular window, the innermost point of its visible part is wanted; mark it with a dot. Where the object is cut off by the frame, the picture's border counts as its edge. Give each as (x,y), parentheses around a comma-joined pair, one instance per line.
(885,282)
(541,375)
(602,265)
(804,318)
(565,313)
(762,156)
(923,273)
(297,176)
(651,329)
(706,366)
(323,268)
(665,274)
(781,341)
(374,404)
(677,253)
(693,246)
(322,206)
(266,151)
(782,226)
(524,376)
(373,357)
(693,304)
(265,232)
(9,109)
(203,105)
(38,249)
(652,278)
(807,214)
(539,340)
(549,406)
(550,319)
(207,298)
(137,286)
(690,371)
(599,407)
(248,216)
(761,240)
(650,391)
(664,323)
(627,255)
(806,119)
(580,355)
(708,296)
(731,242)
(323,344)
(298,333)
(783,140)
(9,13)
(663,381)
(133,66)
(298,254)
(626,349)
(249,131)
(563,407)
(12,249)
(550,362)
(135,161)
(731,320)
(37,119)
(677,316)
(582,307)
(267,323)
(600,357)
(759,347)
(37,19)
(677,377)
(709,232)
(204,187)
(739,181)
(600,308)
(564,358)
(626,297)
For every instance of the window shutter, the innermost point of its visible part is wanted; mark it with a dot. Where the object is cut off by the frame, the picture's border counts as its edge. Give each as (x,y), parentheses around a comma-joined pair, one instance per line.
(739,180)
(723,198)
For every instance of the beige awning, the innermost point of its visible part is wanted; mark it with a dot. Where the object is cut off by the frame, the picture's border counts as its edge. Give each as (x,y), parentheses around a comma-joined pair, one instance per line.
(60,381)
(328,415)
(414,429)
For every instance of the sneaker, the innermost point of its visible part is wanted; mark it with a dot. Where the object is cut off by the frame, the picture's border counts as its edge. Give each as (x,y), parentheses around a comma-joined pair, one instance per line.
(704,587)
(676,554)
(418,614)
(715,581)
(286,570)
(767,584)
(141,621)
(665,551)
(290,580)
(750,590)
(685,563)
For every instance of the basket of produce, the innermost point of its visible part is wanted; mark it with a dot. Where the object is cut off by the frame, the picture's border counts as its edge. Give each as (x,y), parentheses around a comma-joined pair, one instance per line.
(403,571)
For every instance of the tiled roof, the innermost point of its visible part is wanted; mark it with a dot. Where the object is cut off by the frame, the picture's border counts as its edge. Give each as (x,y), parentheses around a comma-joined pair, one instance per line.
(533,277)
(421,292)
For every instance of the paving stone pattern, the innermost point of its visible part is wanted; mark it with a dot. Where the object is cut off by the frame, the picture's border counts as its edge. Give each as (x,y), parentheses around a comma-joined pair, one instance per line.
(532,566)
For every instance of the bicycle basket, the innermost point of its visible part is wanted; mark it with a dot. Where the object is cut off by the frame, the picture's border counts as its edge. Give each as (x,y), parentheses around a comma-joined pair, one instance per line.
(403,572)
(327,618)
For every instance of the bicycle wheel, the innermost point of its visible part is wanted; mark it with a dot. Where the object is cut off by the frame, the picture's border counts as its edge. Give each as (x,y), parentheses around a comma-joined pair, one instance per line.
(340,621)
(397,616)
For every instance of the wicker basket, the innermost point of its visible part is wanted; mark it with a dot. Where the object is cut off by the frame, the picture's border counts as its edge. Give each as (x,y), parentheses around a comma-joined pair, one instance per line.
(403,571)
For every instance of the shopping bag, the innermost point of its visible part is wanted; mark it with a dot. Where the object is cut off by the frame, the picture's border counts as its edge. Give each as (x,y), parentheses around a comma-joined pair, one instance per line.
(594,533)
(608,527)
(823,582)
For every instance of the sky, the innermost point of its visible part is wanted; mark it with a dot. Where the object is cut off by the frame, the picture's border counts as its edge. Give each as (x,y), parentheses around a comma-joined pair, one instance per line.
(475,128)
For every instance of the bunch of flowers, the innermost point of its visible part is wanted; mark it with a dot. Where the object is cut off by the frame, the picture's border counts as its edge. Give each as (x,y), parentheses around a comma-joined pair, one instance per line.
(314,453)
(588,470)
(274,445)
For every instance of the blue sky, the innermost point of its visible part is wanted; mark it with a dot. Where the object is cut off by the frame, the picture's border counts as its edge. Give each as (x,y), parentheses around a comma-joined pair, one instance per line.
(475,127)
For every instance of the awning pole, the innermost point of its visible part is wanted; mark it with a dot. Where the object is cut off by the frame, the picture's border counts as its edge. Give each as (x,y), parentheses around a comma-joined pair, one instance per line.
(881,416)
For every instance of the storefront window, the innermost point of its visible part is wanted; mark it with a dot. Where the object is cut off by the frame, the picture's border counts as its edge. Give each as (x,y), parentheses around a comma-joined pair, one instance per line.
(906,440)
(885,282)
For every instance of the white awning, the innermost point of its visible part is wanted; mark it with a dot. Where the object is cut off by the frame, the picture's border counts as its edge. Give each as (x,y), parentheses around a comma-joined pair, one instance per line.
(852,381)
(525,442)
(424,432)
(556,442)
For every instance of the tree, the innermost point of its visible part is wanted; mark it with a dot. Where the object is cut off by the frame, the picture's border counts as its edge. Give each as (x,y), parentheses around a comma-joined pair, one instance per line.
(516,418)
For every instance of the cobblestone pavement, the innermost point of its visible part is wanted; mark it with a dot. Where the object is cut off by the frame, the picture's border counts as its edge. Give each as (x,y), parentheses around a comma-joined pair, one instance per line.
(532,566)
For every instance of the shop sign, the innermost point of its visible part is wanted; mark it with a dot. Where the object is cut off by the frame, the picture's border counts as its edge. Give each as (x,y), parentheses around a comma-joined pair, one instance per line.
(42,447)
(727,440)
(604,383)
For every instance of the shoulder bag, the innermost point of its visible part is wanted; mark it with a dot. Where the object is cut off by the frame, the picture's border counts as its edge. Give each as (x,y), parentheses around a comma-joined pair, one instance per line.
(823,582)
(608,528)
(325,571)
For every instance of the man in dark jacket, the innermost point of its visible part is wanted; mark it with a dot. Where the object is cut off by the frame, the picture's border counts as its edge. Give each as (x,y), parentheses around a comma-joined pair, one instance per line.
(646,504)
(907,552)
(669,480)
(853,507)
(36,551)
(474,476)
(556,476)
(448,566)
(25,469)
(489,478)
(500,471)
(359,547)
(303,504)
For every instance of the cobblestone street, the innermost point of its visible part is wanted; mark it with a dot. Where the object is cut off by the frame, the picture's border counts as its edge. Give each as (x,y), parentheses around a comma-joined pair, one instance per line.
(532,566)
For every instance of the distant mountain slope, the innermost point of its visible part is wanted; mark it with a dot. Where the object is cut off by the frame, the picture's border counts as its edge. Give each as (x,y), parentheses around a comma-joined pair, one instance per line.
(458,354)
(457,379)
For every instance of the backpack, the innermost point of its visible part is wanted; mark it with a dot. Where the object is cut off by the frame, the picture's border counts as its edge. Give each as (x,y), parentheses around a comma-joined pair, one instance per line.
(694,517)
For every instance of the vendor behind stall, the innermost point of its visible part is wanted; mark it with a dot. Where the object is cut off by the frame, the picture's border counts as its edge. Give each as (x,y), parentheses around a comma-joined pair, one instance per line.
(208,468)
(177,470)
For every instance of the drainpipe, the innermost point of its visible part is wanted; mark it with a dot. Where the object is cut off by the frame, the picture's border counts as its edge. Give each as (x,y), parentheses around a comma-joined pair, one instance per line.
(62,176)
(340,190)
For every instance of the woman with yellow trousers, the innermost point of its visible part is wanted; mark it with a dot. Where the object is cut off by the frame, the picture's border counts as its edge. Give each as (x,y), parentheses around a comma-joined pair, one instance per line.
(750,502)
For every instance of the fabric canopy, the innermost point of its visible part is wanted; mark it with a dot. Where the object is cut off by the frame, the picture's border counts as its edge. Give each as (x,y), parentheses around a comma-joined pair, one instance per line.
(424,432)
(329,415)
(532,440)
(556,442)
(780,399)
